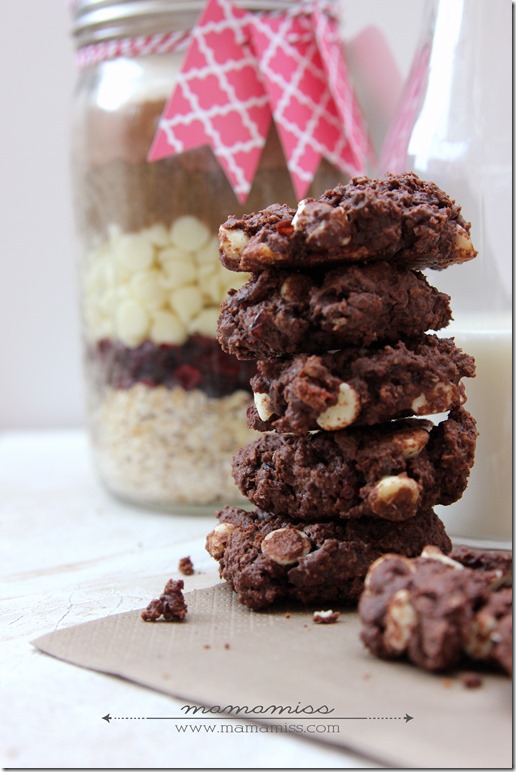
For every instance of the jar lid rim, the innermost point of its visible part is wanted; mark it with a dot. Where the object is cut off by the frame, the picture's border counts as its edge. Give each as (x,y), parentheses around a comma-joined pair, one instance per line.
(102,18)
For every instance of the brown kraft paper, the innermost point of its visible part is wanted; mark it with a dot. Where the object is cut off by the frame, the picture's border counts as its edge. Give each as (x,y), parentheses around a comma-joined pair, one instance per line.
(239,664)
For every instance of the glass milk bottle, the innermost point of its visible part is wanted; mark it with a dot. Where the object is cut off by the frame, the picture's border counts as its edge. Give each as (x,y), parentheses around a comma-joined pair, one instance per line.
(455,127)
(166,407)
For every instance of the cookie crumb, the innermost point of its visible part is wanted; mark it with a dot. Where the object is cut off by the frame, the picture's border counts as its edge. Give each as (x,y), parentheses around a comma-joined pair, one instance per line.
(206,646)
(170,605)
(185,566)
(471,680)
(227,646)
(288,615)
(328,617)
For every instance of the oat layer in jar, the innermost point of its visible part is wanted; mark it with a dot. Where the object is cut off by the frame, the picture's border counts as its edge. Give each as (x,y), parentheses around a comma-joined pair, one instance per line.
(166,407)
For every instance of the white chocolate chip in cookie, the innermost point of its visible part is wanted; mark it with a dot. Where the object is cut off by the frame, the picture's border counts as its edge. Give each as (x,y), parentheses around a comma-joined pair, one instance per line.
(464,249)
(233,241)
(481,636)
(401,559)
(394,494)
(299,212)
(294,288)
(263,405)
(286,546)
(437,400)
(434,553)
(400,622)
(413,441)
(344,412)
(217,539)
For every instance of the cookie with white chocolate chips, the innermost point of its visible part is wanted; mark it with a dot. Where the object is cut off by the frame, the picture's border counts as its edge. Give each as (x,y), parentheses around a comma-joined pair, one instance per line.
(359,385)
(407,221)
(266,558)
(389,471)
(436,612)
(280,313)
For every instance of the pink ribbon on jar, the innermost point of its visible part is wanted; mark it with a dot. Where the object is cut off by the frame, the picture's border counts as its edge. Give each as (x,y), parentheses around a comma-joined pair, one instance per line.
(242,70)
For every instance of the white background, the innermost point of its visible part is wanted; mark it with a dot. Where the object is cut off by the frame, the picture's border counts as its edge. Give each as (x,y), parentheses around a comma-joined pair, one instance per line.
(40,361)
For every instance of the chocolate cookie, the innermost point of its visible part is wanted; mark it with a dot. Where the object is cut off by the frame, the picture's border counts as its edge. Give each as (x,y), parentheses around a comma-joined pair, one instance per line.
(401,218)
(485,560)
(390,471)
(359,385)
(267,558)
(279,313)
(435,611)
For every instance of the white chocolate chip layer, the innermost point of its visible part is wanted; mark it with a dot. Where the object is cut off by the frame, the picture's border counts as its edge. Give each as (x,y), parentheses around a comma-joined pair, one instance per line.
(186,302)
(205,323)
(144,285)
(131,322)
(167,328)
(133,252)
(189,233)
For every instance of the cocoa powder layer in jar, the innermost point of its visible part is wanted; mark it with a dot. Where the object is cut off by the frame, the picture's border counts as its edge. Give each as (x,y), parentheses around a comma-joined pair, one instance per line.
(118,184)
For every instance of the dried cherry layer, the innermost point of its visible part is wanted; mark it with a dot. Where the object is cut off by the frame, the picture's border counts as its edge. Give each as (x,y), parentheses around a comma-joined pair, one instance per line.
(199,363)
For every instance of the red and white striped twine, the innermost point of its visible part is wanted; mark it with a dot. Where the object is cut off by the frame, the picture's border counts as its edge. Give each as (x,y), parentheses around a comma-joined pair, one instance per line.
(141,45)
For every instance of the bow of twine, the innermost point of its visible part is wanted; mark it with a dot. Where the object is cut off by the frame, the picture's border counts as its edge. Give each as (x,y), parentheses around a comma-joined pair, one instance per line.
(242,70)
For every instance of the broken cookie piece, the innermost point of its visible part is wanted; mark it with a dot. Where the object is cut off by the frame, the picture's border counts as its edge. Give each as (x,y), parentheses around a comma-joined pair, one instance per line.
(327,617)
(436,612)
(170,605)
(185,566)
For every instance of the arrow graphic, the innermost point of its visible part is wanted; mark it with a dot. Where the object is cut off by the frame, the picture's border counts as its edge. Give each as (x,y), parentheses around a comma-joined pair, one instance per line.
(108,718)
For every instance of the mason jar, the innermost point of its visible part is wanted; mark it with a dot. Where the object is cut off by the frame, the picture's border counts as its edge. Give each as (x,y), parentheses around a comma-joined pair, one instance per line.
(166,406)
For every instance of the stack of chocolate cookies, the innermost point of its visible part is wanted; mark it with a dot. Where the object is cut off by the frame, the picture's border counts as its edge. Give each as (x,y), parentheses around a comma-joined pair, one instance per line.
(336,313)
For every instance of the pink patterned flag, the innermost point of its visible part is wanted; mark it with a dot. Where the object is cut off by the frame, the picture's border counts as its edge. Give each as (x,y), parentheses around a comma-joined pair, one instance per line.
(359,147)
(243,68)
(394,157)
(219,99)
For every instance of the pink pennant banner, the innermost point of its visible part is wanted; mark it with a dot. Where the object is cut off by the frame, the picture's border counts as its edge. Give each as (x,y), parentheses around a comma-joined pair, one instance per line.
(394,157)
(243,69)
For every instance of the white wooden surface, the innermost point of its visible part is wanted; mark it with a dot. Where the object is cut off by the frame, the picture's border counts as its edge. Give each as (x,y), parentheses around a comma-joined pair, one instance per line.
(71,553)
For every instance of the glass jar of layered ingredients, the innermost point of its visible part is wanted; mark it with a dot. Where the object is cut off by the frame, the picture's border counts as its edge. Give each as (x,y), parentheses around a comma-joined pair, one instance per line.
(166,406)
